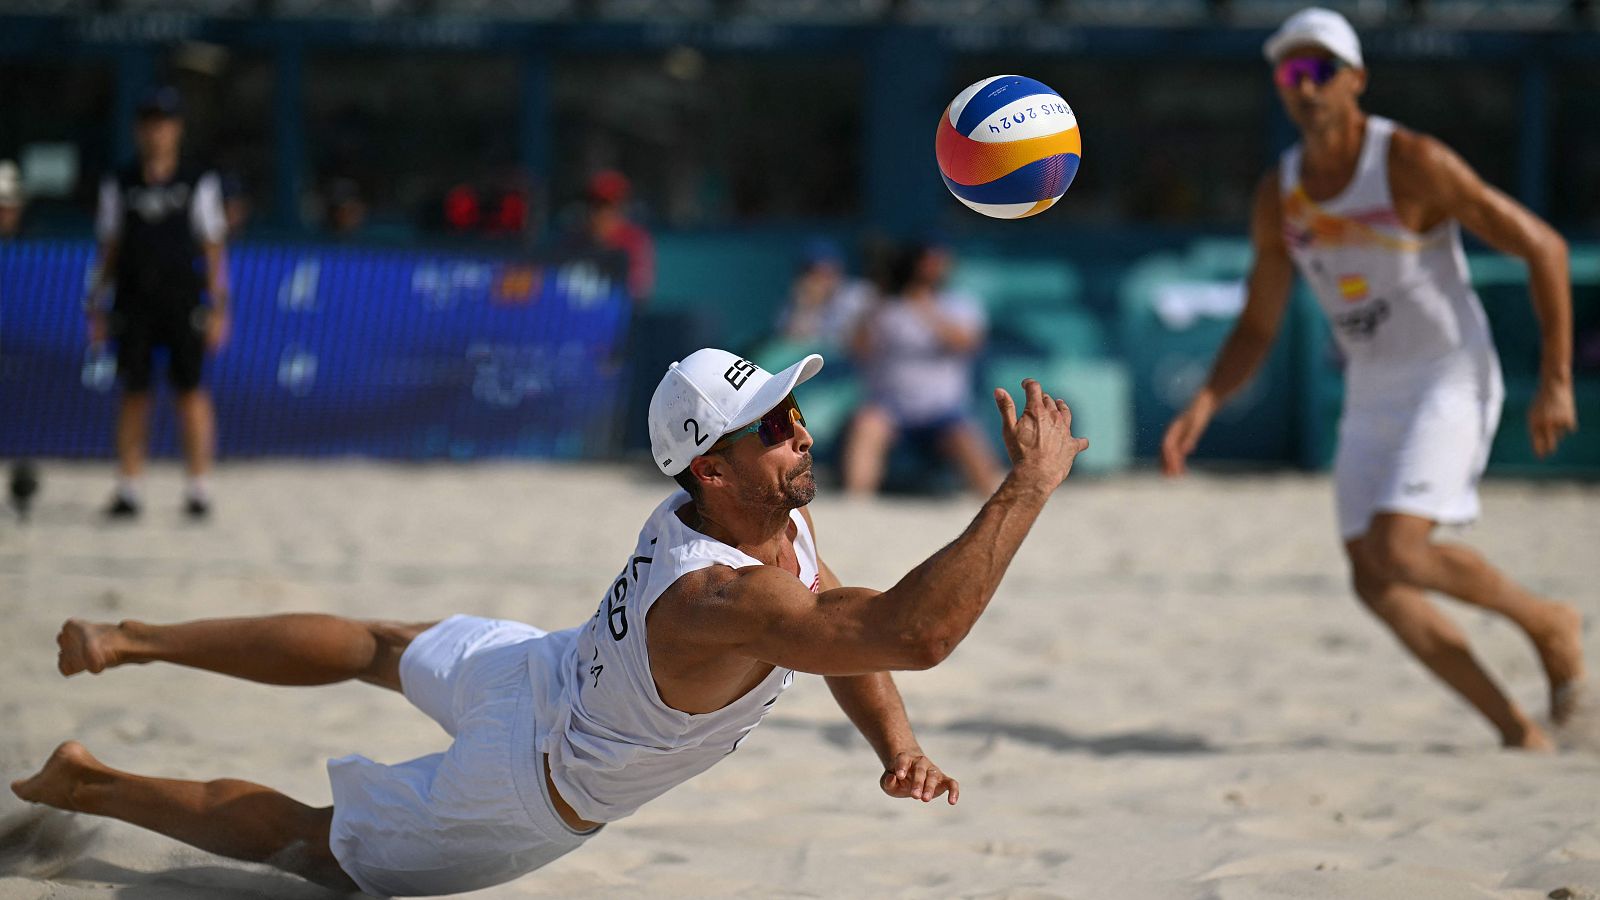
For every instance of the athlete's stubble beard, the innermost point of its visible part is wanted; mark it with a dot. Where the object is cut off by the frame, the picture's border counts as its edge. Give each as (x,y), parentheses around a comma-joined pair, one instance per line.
(797,488)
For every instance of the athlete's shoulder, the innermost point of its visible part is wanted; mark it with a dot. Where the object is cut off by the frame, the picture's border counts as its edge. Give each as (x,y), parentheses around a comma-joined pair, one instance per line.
(721,583)
(718,604)
(1416,153)
(1271,181)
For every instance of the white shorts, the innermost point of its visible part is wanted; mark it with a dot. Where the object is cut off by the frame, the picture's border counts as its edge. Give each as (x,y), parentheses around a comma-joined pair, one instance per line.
(1423,457)
(478,814)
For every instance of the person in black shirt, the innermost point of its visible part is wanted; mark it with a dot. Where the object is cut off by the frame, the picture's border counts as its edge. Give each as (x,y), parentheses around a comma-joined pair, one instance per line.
(161,230)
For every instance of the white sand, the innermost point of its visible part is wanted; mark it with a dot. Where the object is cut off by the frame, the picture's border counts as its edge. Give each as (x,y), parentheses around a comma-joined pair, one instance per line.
(1173,695)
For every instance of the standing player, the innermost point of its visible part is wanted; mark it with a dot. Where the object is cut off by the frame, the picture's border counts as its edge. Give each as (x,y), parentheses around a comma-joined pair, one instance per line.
(721,600)
(1371,213)
(160,225)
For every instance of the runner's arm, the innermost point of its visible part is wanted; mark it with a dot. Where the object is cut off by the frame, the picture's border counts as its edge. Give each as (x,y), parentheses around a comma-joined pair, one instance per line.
(1266,298)
(1448,184)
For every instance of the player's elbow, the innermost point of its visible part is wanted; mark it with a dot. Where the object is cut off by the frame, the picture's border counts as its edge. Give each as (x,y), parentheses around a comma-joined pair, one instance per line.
(929,646)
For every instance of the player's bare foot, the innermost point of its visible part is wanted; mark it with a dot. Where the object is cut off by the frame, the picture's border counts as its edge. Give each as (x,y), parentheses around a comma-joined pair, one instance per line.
(69,767)
(86,647)
(1560,647)
(1531,737)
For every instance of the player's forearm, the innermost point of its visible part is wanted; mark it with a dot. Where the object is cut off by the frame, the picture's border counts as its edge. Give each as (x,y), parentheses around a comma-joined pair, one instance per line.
(1237,362)
(873,705)
(217,277)
(937,603)
(106,273)
(1550,285)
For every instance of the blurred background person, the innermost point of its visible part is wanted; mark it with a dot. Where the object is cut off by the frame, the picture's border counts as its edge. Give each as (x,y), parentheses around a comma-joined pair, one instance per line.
(237,207)
(12,201)
(916,351)
(346,208)
(824,301)
(161,229)
(607,226)
(1371,214)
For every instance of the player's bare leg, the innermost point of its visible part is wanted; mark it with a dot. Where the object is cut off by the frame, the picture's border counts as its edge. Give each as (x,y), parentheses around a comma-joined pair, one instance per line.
(232,818)
(1403,546)
(966,447)
(133,432)
(1436,641)
(866,451)
(292,649)
(197,423)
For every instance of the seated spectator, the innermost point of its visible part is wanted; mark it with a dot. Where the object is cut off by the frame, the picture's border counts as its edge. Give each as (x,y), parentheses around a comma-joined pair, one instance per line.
(916,351)
(823,303)
(606,226)
(12,200)
(346,208)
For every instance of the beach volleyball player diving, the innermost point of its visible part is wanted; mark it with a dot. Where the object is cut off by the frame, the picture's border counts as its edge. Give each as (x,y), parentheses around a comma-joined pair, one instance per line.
(723,597)
(1371,213)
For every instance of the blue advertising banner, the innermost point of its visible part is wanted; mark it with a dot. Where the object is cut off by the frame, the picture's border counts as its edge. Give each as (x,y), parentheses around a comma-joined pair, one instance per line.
(339,351)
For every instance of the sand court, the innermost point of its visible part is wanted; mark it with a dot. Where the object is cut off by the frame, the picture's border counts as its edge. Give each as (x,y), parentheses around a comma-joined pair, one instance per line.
(1173,695)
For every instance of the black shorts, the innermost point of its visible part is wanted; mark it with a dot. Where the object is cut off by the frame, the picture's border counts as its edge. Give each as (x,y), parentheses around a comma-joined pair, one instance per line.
(182,331)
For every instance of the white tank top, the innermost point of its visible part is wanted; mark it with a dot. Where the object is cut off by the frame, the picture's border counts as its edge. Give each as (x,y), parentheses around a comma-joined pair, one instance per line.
(1400,303)
(615,744)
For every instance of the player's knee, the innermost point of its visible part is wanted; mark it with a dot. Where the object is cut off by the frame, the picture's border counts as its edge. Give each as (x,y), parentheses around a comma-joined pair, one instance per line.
(1376,597)
(1397,559)
(389,643)
(309,852)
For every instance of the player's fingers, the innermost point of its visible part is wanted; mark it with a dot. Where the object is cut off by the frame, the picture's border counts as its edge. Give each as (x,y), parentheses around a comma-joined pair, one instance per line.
(902,765)
(1007,407)
(1035,395)
(891,785)
(955,791)
(919,773)
(930,784)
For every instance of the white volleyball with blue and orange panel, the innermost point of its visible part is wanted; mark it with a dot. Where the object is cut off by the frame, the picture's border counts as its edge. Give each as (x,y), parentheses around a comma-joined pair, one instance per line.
(1008,147)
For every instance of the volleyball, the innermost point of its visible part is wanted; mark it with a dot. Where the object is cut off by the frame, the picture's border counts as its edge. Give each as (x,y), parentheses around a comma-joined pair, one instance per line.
(1008,146)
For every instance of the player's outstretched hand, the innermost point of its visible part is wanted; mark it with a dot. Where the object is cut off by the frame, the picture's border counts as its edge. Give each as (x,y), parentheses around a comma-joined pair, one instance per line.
(915,776)
(1039,441)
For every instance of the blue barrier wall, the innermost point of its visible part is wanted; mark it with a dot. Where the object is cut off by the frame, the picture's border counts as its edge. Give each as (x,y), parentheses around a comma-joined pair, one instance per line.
(341,351)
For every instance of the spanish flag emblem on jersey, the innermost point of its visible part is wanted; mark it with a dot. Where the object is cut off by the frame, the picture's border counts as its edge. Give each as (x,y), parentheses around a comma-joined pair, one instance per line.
(1352,288)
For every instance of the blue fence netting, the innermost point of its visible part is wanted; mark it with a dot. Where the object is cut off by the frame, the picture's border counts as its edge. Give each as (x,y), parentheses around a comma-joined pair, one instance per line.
(407,355)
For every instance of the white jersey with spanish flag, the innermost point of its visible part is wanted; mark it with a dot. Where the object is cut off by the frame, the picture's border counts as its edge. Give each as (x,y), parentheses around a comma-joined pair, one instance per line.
(615,744)
(1400,303)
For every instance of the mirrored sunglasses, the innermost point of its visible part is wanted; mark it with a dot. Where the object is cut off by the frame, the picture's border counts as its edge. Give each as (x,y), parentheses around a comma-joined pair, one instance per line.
(774,428)
(1290,72)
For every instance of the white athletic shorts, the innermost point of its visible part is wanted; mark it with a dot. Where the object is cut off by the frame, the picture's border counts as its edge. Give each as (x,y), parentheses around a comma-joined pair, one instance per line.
(479,813)
(1422,456)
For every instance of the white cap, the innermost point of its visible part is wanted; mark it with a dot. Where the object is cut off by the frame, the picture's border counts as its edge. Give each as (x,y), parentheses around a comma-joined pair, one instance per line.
(1319,27)
(710,393)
